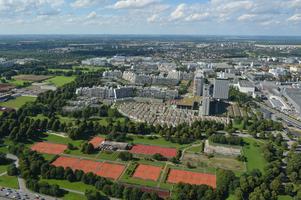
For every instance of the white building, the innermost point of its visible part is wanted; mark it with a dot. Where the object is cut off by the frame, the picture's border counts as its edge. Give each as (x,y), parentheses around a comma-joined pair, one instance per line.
(95,62)
(246,87)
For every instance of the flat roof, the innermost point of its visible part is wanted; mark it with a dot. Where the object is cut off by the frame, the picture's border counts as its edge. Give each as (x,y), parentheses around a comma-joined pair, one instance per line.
(245,84)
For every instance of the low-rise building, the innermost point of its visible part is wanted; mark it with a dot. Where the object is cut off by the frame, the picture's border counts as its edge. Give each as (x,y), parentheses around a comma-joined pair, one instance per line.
(246,87)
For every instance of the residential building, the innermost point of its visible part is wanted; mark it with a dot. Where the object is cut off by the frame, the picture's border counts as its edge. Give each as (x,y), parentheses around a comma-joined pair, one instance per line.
(198,83)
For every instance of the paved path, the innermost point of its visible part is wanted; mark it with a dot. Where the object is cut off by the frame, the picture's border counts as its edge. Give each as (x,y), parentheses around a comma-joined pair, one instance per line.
(184,150)
(21,181)
(4,173)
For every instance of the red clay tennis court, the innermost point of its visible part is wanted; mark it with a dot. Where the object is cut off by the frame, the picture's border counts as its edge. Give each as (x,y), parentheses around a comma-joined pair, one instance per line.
(177,176)
(151,150)
(65,162)
(107,170)
(147,172)
(87,165)
(49,148)
(96,141)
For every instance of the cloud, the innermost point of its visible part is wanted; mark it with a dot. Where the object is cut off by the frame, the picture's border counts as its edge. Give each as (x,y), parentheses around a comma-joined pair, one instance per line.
(198,16)
(179,12)
(133,4)
(91,15)
(152,18)
(83,3)
(295,18)
(246,17)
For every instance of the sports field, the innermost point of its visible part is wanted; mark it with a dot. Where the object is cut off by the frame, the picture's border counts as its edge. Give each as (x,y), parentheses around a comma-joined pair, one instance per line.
(151,150)
(31,78)
(107,170)
(17,102)
(147,172)
(49,148)
(60,80)
(177,176)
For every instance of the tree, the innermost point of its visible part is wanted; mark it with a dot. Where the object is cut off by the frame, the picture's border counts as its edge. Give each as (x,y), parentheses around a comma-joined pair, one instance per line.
(94,195)
(3,159)
(12,170)
(87,148)
(125,156)
(159,157)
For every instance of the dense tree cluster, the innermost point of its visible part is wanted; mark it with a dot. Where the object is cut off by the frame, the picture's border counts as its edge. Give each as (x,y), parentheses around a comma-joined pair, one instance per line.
(87,112)
(33,166)
(222,139)
(125,156)
(193,192)
(241,98)
(293,169)
(45,188)
(87,148)
(185,133)
(254,125)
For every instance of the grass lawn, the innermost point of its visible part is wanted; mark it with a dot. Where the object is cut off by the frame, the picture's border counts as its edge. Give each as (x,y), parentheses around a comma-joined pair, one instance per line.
(159,141)
(9,181)
(60,140)
(231,197)
(66,119)
(73,196)
(78,152)
(108,155)
(252,150)
(48,157)
(78,186)
(3,148)
(195,149)
(17,83)
(238,126)
(87,68)
(284,197)
(218,161)
(60,80)
(3,168)
(60,70)
(18,102)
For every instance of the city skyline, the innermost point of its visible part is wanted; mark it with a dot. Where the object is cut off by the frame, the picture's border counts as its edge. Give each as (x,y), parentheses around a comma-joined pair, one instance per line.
(192,17)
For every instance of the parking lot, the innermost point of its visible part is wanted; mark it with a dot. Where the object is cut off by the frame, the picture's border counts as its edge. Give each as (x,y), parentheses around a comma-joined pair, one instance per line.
(7,193)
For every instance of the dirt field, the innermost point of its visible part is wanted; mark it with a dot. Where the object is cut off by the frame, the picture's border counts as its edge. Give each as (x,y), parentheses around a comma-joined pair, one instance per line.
(151,150)
(4,87)
(147,172)
(107,170)
(177,176)
(32,78)
(96,141)
(65,162)
(227,163)
(49,148)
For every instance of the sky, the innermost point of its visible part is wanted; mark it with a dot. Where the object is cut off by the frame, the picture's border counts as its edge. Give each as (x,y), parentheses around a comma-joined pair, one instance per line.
(190,17)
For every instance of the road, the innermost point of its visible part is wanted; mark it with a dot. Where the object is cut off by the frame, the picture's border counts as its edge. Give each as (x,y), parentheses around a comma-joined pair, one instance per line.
(284,117)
